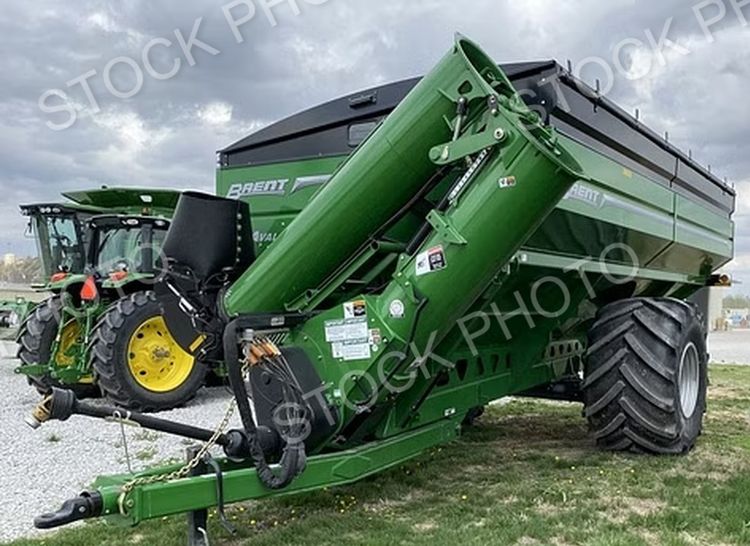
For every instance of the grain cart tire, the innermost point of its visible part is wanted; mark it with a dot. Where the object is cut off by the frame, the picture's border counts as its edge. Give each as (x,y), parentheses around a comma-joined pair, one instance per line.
(137,362)
(471,417)
(35,339)
(646,376)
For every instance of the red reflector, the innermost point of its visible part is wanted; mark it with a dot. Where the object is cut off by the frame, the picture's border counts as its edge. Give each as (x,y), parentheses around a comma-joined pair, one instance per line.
(118,276)
(89,291)
(57,277)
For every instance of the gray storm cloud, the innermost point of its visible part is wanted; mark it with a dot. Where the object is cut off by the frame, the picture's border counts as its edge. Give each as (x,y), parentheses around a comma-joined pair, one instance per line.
(167,133)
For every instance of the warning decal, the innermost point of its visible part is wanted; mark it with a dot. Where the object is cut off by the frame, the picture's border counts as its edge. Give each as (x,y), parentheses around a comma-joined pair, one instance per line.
(355,309)
(354,329)
(351,350)
(431,260)
(350,337)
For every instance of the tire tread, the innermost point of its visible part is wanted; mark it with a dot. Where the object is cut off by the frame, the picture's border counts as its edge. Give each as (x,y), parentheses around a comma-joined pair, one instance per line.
(629,388)
(104,361)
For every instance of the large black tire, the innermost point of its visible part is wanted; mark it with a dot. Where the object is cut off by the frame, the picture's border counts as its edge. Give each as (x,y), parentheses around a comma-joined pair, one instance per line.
(110,357)
(646,376)
(5,319)
(35,338)
(471,417)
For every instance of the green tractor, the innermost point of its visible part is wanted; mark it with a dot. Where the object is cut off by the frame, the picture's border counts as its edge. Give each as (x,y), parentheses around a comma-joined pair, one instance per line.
(414,252)
(60,234)
(101,254)
(12,314)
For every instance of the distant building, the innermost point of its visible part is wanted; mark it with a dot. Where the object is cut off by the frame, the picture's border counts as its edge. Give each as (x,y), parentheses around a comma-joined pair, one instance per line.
(9,259)
(737,318)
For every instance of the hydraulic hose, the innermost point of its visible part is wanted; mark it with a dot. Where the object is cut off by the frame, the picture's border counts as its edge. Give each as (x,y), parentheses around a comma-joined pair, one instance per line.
(293,458)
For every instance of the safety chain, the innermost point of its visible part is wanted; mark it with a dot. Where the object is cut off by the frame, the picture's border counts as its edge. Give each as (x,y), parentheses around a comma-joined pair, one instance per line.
(189,466)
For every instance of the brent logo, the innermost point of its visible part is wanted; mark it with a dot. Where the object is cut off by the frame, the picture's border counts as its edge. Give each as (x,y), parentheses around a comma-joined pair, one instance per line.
(581,192)
(263,187)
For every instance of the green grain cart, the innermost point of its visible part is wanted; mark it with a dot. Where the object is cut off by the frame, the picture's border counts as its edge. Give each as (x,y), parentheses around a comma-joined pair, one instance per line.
(423,249)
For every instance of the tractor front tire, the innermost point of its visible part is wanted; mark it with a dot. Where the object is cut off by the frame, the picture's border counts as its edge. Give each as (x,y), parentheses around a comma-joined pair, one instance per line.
(645,378)
(35,338)
(137,362)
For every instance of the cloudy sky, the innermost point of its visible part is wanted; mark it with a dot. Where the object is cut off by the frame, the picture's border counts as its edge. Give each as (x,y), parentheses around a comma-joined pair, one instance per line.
(687,72)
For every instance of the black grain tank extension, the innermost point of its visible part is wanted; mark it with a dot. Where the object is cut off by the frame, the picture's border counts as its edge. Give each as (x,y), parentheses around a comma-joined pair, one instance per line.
(209,244)
(210,235)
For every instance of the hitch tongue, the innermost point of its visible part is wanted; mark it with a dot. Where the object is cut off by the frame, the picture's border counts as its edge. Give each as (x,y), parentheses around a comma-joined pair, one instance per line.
(86,505)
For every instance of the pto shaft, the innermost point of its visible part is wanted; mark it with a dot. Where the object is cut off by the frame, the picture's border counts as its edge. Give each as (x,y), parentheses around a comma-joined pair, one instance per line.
(61,404)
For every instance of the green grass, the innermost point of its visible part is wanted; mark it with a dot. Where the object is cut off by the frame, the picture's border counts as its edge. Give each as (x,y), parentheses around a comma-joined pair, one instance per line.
(527,474)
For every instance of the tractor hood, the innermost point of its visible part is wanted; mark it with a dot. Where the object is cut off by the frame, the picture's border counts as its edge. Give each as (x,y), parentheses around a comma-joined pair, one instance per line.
(127,199)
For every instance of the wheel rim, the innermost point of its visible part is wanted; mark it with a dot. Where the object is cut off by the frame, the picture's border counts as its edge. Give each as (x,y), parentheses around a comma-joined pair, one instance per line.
(156,362)
(67,352)
(689,379)
(69,338)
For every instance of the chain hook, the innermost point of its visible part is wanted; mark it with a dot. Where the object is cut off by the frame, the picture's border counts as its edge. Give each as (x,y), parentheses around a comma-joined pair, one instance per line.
(118,417)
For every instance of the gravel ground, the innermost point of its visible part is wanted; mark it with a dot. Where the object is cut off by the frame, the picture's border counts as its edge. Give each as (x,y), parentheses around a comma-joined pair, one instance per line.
(43,468)
(730,347)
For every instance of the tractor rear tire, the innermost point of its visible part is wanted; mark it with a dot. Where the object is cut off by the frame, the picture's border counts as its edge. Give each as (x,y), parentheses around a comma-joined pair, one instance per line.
(645,379)
(35,338)
(137,363)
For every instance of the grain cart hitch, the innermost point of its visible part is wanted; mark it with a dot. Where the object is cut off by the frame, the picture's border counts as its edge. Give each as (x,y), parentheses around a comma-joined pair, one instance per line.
(318,330)
(61,404)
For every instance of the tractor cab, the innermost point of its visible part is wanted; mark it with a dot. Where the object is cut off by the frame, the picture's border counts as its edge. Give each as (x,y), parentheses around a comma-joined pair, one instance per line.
(125,248)
(60,234)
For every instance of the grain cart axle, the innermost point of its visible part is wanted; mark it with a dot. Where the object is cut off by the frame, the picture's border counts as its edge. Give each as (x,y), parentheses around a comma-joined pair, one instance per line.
(332,336)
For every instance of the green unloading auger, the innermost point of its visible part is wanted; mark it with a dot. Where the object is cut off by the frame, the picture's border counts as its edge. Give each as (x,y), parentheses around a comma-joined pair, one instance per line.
(335,394)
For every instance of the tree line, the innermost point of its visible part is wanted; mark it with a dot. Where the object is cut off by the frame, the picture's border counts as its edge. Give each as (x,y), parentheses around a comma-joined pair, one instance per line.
(21,271)
(736,302)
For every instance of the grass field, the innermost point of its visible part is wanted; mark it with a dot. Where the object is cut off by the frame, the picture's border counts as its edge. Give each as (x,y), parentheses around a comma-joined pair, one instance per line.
(527,474)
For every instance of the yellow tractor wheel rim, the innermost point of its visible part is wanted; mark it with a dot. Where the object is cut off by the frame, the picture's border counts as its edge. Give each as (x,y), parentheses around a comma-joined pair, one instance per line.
(66,353)
(69,338)
(156,362)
